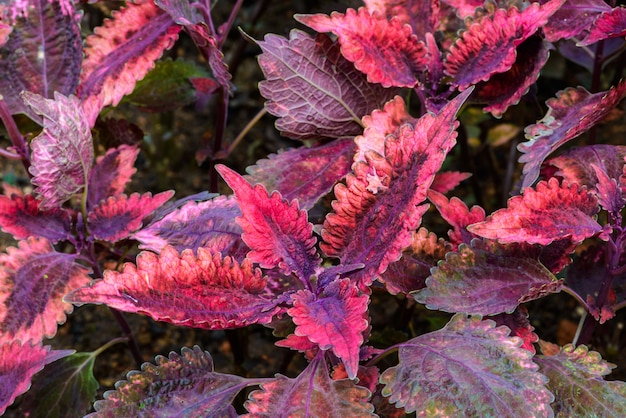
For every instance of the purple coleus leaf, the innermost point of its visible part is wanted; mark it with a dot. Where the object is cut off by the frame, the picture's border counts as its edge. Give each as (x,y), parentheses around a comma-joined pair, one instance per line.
(203,291)
(387,51)
(422,16)
(314,91)
(33,280)
(111,173)
(177,385)
(42,55)
(484,279)
(576,378)
(573,17)
(379,207)
(312,394)
(548,213)
(312,171)
(609,193)
(458,215)
(571,113)
(277,232)
(334,320)
(468,368)
(121,52)
(520,326)
(63,153)
(610,24)
(488,46)
(116,217)
(18,363)
(209,224)
(21,217)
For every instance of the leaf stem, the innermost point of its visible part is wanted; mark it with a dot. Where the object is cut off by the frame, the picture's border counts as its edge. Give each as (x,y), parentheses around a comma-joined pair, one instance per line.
(220,127)
(17,138)
(132,343)
(225,28)
(222,154)
(110,344)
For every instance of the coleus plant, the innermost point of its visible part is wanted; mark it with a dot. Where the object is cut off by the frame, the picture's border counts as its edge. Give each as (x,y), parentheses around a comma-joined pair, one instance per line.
(229,261)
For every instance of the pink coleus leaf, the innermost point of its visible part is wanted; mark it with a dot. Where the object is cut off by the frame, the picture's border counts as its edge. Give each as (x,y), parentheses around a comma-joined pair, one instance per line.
(314,91)
(386,51)
(121,52)
(18,363)
(42,55)
(379,207)
(465,8)
(277,232)
(573,17)
(312,171)
(576,378)
(21,217)
(111,173)
(550,212)
(467,369)
(177,385)
(116,217)
(488,46)
(520,326)
(34,278)
(480,280)
(63,153)
(571,113)
(311,394)
(421,16)
(333,320)
(209,224)
(458,215)
(203,291)
(610,24)
(447,180)
(608,192)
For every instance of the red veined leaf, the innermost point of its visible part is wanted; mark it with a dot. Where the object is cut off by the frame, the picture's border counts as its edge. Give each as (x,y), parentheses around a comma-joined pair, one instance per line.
(42,55)
(447,180)
(576,378)
(111,173)
(313,90)
(573,17)
(480,280)
(312,171)
(116,217)
(312,394)
(571,113)
(379,207)
(209,224)
(610,24)
(550,212)
(458,215)
(121,52)
(300,344)
(386,51)
(179,384)
(34,278)
(608,193)
(63,153)
(278,233)
(468,368)
(422,16)
(488,46)
(21,217)
(203,291)
(333,320)
(520,326)
(18,363)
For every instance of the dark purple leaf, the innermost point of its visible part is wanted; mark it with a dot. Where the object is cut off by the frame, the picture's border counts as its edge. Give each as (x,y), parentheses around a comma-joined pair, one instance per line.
(573,17)
(21,217)
(112,133)
(111,174)
(608,192)
(610,24)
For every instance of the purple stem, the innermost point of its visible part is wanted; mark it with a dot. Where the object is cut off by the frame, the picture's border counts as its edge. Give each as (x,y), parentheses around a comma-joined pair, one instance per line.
(225,28)
(598,60)
(14,133)
(220,127)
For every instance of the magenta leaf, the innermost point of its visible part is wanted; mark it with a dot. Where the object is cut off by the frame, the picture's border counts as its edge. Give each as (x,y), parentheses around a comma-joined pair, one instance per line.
(520,326)
(312,394)
(333,320)
(312,171)
(121,52)
(610,24)
(550,212)
(277,232)
(573,17)
(111,173)
(422,16)
(468,368)
(488,46)
(63,153)
(177,385)
(42,55)
(386,51)
(447,180)
(576,379)
(33,280)
(203,291)
(379,207)
(116,217)
(480,280)
(458,215)
(571,113)
(18,363)
(209,224)
(313,89)
(21,217)
(608,192)
(466,8)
